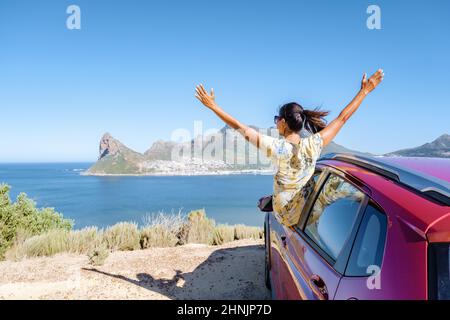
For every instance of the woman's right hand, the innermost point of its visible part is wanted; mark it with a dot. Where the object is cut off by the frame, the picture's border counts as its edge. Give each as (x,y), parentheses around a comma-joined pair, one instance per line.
(208,100)
(367,86)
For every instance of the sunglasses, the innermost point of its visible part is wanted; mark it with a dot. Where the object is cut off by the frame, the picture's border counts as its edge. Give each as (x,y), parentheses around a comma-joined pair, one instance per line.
(276,119)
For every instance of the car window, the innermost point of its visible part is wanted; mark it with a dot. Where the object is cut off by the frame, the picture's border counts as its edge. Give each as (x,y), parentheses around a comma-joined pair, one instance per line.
(333,215)
(369,244)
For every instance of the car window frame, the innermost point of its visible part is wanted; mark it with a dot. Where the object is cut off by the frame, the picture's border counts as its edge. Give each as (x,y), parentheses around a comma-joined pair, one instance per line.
(385,227)
(340,263)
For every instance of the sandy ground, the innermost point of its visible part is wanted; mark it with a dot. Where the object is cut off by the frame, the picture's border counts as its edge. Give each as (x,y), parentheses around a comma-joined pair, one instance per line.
(231,271)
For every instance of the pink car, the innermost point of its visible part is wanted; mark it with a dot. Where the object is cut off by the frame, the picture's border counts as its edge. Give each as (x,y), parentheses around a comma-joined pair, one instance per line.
(371,228)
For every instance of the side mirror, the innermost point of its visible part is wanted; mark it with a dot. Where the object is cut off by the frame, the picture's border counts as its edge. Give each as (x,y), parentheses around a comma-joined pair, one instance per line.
(265,204)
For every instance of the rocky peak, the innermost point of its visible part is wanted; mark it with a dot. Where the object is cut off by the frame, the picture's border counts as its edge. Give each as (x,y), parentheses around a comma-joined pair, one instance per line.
(443,141)
(108,146)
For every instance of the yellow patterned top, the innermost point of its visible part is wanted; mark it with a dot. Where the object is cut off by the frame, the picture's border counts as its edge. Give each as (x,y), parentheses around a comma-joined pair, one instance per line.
(294,166)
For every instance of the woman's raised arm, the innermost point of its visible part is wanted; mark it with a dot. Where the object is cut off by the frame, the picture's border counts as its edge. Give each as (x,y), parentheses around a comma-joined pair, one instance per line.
(335,126)
(209,101)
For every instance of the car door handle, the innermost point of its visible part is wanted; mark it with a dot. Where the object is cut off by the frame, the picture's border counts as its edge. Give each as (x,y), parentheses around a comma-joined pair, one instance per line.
(318,287)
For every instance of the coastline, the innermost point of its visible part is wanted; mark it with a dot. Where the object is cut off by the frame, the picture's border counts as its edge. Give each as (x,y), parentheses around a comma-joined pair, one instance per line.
(181,174)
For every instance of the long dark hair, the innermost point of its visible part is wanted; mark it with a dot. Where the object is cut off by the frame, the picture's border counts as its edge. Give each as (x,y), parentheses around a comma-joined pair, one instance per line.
(298,118)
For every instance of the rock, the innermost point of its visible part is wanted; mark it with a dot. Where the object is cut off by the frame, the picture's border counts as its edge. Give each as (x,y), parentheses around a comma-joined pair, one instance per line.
(108,146)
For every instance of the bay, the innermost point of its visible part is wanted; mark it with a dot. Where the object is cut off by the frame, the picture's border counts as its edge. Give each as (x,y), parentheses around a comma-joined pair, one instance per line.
(104,201)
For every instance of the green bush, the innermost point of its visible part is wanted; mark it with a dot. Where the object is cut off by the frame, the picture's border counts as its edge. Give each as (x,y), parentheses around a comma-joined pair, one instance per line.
(122,236)
(23,216)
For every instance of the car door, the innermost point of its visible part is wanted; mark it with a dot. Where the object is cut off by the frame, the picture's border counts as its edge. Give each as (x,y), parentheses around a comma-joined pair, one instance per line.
(279,272)
(283,286)
(317,249)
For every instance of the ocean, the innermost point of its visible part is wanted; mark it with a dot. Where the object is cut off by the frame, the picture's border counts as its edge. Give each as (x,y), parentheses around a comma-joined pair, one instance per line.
(104,201)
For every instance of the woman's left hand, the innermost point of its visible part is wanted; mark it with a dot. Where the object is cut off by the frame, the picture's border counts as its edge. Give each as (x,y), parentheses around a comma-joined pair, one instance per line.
(367,86)
(208,100)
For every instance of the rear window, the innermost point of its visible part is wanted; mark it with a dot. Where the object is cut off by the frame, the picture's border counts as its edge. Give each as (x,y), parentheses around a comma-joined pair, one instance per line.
(368,248)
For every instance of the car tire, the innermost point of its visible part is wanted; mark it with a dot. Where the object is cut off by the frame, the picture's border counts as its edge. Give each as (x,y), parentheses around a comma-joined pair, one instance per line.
(267,257)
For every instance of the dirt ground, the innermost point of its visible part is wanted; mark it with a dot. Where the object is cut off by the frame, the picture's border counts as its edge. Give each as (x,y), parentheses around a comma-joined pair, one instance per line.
(230,271)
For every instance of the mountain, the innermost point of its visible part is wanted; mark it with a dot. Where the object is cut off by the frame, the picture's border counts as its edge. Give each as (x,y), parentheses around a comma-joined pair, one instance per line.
(223,152)
(439,148)
(116,158)
(160,150)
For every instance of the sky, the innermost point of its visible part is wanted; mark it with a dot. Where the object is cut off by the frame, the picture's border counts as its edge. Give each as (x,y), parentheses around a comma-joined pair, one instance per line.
(132,68)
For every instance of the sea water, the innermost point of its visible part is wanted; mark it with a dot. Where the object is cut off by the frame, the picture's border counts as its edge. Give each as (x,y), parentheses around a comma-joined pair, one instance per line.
(103,201)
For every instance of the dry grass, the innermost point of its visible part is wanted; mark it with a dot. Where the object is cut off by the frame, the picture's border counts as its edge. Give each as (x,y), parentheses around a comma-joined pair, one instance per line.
(246,232)
(47,244)
(199,228)
(84,240)
(223,233)
(53,242)
(122,236)
(160,230)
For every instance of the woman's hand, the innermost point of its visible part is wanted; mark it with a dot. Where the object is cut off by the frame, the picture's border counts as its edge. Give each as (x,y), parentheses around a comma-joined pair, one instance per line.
(367,86)
(208,100)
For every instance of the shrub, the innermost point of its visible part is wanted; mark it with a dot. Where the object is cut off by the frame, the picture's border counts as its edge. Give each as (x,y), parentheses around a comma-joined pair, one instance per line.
(26,231)
(157,236)
(3,247)
(98,254)
(84,240)
(122,236)
(161,230)
(246,232)
(47,244)
(222,234)
(198,229)
(23,216)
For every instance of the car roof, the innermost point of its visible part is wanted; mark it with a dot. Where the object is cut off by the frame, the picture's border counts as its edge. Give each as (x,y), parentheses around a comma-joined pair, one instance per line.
(411,173)
(436,167)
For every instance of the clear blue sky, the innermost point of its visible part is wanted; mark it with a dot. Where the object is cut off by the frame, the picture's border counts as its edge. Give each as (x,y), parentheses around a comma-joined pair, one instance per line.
(132,68)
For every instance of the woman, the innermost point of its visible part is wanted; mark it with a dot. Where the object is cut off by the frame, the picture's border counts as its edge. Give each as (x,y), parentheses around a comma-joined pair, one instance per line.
(294,156)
